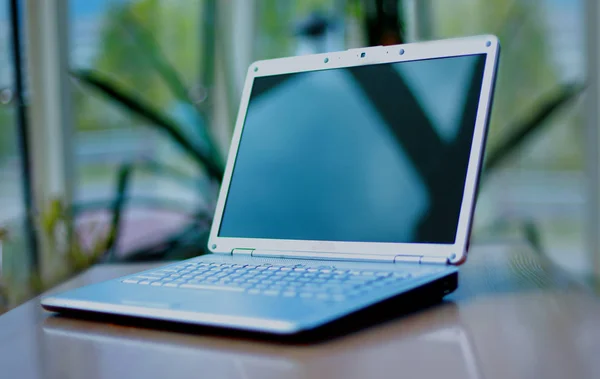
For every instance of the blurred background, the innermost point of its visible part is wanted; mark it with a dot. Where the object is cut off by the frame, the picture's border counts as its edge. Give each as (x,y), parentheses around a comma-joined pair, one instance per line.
(116,115)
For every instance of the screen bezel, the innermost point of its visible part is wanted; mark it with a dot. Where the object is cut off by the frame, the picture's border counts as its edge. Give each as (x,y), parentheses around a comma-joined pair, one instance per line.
(456,252)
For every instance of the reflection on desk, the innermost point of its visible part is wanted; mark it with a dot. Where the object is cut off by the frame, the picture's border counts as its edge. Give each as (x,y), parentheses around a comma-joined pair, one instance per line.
(439,348)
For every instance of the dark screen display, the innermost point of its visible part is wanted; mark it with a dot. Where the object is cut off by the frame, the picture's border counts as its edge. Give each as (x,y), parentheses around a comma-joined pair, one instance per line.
(374,153)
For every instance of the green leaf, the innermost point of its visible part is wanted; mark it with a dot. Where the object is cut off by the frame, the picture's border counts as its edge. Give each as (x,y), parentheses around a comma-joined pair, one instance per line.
(533,235)
(144,41)
(161,121)
(534,123)
(149,48)
(118,206)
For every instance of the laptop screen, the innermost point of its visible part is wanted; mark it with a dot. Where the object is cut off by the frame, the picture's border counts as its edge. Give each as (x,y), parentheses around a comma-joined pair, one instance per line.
(374,153)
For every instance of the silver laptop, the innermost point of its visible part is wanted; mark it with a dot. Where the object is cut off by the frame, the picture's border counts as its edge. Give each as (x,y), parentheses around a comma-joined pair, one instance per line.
(351,180)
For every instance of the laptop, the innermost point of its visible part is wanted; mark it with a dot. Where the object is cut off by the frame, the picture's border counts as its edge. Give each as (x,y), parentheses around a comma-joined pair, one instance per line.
(351,180)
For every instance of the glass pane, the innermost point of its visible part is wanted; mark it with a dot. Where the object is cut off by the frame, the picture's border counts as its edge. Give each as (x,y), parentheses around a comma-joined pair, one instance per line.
(279,26)
(540,183)
(13,261)
(9,153)
(130,43)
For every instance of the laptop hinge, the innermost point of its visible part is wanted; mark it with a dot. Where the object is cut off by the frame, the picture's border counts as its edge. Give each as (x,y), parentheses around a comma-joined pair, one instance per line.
(420,259)
(340,256)
(314,255)
(242,251)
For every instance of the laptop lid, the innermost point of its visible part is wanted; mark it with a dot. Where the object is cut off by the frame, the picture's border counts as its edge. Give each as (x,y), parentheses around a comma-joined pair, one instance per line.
(364,153)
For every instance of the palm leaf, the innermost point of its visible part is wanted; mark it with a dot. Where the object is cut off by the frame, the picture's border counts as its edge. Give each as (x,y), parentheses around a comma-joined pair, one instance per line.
(534,123)
(118,206)
(145,111)
(533,235)
(150,50)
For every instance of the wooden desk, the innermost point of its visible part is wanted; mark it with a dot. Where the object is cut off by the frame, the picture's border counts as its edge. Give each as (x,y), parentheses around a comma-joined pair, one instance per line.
(513,316)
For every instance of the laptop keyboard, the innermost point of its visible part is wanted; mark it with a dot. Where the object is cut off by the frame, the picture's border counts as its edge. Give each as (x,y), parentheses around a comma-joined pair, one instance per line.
(325,283)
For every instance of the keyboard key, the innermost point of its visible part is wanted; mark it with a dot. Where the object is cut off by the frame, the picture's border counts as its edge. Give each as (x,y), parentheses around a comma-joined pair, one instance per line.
(145,282)
(212,287)
(131,281)
(165,271)
(148,277)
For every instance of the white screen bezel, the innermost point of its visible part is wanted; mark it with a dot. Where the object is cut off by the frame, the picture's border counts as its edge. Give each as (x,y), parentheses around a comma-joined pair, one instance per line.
(456,253)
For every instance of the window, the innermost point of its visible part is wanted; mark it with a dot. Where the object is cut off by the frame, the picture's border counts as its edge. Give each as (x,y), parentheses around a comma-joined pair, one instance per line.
(542,54)
(9,153)
(13,237)
(108,38)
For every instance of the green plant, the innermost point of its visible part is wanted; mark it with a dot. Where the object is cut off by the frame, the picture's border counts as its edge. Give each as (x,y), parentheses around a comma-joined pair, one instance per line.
(200,146)
(71,248)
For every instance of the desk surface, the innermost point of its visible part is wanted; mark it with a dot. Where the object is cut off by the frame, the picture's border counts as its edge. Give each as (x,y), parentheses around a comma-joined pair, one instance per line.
(513,316)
